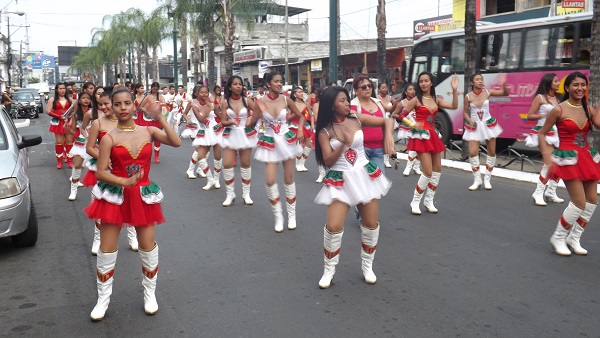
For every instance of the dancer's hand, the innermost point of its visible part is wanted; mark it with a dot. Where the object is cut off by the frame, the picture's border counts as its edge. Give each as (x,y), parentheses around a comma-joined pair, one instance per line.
(131,181)
(153,109)
(454,82)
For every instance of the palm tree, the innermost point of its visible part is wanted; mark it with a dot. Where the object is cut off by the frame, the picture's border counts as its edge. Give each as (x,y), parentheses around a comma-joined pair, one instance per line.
(153,31)
(381,23)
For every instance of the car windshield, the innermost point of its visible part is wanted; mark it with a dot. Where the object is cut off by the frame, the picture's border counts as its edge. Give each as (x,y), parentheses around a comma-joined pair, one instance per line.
(23,96)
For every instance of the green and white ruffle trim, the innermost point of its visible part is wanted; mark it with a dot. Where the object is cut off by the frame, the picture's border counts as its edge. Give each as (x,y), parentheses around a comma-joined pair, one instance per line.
(151,193)
(564,157)
(111,193)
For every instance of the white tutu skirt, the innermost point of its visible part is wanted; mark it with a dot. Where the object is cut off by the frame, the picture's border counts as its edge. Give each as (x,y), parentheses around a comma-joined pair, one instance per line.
(404,131)
(205,138)
(277,148)
(357,186)
(551,137)
(190,131)
(79,148)
(91,164)
(484,130)
(237,138)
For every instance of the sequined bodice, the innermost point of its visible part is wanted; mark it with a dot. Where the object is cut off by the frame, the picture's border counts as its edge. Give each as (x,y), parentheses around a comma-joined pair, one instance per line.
(571,135)
(426,117)
(125,164)
(352,156)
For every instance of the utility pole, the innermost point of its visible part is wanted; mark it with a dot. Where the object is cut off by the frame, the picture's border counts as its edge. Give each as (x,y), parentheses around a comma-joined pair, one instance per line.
(287,66)
(333,42)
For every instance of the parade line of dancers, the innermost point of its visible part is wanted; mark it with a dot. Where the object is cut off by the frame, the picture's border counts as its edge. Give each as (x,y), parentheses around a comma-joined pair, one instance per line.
(115,132)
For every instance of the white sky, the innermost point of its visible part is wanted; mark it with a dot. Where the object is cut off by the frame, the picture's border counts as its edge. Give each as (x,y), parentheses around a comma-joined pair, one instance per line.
(70,22)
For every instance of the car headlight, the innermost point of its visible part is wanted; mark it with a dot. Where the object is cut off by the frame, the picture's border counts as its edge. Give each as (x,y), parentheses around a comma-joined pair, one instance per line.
(9,187)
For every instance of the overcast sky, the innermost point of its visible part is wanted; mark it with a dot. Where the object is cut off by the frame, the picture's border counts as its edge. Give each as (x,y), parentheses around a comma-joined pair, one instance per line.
(70,22)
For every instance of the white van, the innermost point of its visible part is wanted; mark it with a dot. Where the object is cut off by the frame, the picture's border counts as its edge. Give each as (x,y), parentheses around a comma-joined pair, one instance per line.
(350,89)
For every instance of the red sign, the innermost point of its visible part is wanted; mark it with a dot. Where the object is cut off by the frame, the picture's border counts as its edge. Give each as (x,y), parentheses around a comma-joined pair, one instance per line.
(573,4)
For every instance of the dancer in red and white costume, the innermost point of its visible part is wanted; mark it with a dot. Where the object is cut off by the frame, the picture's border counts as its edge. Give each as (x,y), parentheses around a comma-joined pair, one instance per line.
(387,101)
(425,140)
(352,180)
(140,94)
(207,136)
(404,130)
(482,127)
(544,101)
(278,144)
(99,127)
(79,129)
(125,195)
(56,106)
(575,162)
(238,136)
(307,128)
(145,119)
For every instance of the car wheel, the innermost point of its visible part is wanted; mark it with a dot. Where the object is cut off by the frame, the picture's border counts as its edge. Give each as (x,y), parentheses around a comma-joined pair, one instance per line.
(28,237)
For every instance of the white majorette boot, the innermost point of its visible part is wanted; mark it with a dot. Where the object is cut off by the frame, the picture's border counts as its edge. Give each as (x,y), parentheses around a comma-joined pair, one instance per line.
(273,194)
(199,171)
(538,194)
(218,165)
(332,243)
(210,181)
(290,197)
(431,188)
(75,175)
(298,162)
(474,161)
(149,275)
(305,154)
(490,162)
(412,156)
(322,173)
(96,241)
(132,238)
(192,167)
(418,194)
(551,192)
(577,229)
(386,161)
(558,239)
(369,238)
(417,165)
(105,268)
(246,180)
(229,185)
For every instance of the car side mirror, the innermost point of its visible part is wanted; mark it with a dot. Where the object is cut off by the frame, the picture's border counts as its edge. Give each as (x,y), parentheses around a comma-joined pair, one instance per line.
(29,141)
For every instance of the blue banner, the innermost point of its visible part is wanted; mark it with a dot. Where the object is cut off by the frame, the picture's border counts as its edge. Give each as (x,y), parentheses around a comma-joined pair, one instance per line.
(39,62)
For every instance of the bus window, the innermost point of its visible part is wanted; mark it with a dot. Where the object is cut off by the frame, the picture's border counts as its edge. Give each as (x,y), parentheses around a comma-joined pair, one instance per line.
(494,51)
(435,62)
(536,48)
(560,46)
(446,52)
(585,44)
(458,55)
(514,51)
(419,65)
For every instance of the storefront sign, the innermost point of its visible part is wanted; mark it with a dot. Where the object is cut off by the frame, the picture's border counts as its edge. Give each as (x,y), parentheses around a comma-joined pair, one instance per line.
(316,65)
(561,10)
(573,4)
(247,55)
(263,68)
(425,26)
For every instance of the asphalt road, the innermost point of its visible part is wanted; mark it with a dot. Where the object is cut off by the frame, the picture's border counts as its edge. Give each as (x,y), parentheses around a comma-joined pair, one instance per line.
(482,266)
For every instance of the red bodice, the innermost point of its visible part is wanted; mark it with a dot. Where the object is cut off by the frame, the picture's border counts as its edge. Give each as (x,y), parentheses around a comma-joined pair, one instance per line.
(573,136)
(126,164)
(426,117)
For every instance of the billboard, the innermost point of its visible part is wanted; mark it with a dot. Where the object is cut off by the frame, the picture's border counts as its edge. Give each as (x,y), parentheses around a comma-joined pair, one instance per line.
(425,26)
(39,62)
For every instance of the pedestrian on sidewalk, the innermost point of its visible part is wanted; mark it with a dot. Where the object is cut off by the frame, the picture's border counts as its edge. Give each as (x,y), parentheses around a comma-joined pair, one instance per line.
(425,140)
(575,162)
(125,195)
(482,127)
(352,180)
(545,99)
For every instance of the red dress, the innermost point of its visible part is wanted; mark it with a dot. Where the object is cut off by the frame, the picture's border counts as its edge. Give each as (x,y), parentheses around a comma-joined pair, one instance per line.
(425,140)
(138,205)
(306,128)
(574,159)
(89,180)
(57,124)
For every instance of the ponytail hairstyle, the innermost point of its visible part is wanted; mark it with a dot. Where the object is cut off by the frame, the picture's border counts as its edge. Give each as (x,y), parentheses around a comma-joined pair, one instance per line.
(79,112)
(326,115)
(294,93)
(56,98)
(268,77)
(95,103)
(405,89)
(570,78)
(545,86)
(228,90)
(419,92)
(135,88)
(471,79)
(197,89)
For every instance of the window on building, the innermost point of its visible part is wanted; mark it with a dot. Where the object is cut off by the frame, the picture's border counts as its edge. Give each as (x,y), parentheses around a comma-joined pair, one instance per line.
(499,6)
(584,44)
(537,3)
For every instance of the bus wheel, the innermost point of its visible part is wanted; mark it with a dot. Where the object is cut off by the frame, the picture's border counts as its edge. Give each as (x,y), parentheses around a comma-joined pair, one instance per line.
(442,124)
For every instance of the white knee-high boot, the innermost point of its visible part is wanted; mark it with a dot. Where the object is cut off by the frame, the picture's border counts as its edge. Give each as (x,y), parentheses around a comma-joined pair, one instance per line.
(132,238)
(410,162)
(199,171)
(290,197)
(474,161)
(538,194)
(149,276)
(96,241)
(558,239)
(432,185)
(246,181)
(192,167)
(369,239)
(210,182)
(322,173)
(229,185)
(332,243)
(551,192)
(273,194)
(577,229)
(218,165)
(105,269)
(417,165)
(305,153)
(418,194)
(490,162)
(75,175)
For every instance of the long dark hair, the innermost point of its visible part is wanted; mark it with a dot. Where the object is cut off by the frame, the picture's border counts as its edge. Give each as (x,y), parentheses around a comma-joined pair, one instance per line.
(157,86)
(197,90)
(227,90)
(419,92)
(405,89)
(471,79)
(268,77)
(294,93)
(568,81)
(135,88)
(95,102)
(56,98)
(545,86)
(326,115)
(79,112)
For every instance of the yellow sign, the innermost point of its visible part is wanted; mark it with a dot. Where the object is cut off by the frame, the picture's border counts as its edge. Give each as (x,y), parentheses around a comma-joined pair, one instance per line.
(316,65)
(566,11)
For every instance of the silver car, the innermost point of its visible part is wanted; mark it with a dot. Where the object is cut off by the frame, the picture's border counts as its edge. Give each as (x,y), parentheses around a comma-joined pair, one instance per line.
(17,214)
